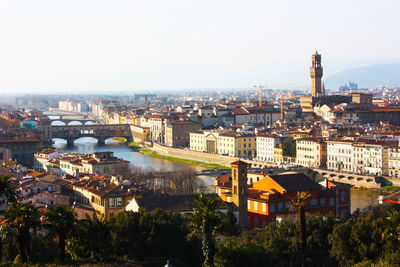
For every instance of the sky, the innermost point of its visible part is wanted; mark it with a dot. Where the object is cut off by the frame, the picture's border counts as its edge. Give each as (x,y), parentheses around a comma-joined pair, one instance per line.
(85,46)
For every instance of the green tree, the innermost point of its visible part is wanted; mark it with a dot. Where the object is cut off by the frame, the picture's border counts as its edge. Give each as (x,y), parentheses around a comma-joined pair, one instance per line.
(289,147)
(91,239)
(23,218)
(204,222)
(8,195)
(60,222)
(280,240)
(357,239)
(298,203)
(318,229)
(241,251)
(228,223)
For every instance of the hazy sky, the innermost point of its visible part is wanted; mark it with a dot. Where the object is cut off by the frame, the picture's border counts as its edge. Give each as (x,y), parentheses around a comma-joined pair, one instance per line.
(86,46)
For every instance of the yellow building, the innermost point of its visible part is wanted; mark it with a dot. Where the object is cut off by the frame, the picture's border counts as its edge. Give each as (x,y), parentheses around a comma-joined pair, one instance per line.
(311,152)
(105,196)
(278,154)
(230,144)
(139,133)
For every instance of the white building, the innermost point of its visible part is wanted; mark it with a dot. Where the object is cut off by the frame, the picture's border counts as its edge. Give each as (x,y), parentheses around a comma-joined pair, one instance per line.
(265,146)
(42,159)
(340,155)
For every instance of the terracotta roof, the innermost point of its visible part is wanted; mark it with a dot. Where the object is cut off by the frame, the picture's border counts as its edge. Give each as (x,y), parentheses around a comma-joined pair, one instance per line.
(295,182)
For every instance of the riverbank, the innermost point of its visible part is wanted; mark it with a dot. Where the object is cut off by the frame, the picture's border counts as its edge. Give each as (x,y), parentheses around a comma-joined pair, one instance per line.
(150,153)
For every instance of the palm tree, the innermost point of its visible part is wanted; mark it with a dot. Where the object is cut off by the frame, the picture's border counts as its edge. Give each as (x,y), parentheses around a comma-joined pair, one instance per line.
(60,221)
(392,230)
(8,195)
(298,203)
(23,218)
(7,191)
(203,223)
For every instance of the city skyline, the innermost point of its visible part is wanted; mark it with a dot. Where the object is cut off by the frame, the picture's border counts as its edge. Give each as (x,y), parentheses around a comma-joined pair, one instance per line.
(133,46)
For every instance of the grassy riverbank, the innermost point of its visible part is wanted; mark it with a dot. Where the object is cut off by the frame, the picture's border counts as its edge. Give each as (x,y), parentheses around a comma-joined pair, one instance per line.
(121,139)
(149,152)
(135,146)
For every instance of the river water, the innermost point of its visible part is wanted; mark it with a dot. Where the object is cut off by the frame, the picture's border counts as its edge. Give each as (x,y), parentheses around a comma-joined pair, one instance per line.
(360,198)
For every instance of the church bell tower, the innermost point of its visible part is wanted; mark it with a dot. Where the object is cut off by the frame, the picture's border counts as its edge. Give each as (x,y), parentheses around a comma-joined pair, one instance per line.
(239,191)
(316,75)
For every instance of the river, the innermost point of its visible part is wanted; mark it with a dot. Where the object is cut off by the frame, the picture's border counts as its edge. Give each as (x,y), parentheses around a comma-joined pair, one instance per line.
(360,198)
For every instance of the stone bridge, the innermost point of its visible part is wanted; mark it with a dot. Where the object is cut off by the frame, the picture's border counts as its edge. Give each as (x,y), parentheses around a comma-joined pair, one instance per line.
(360,181)
(66,119)
(100,132)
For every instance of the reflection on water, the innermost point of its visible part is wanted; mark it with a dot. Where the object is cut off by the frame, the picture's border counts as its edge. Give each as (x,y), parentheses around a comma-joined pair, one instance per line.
(121,150)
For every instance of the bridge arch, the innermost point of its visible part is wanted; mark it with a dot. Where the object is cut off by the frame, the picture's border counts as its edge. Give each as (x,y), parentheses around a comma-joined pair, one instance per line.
(75,122)
(100,132)
(58,123)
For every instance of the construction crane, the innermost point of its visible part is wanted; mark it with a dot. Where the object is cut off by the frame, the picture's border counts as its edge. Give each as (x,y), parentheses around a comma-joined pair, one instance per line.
(260,87)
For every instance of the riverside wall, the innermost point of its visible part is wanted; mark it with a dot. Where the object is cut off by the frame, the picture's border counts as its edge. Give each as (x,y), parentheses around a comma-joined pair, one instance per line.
(358,181)
(194,155)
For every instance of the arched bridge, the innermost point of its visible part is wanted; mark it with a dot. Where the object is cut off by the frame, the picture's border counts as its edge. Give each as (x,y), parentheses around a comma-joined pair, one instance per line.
(66,119)
(360,181)
(100,132)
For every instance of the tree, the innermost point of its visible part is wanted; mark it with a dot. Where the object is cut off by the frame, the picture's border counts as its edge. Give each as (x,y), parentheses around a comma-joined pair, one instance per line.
(392,231)
(60,221)
(91,239)
(298,203)
(203,223)
(23,218)
(289,147)
(8,195)
(357,239)
(228,223)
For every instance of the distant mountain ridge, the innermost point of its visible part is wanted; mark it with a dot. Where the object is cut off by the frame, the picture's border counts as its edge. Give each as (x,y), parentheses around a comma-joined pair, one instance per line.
(368,76)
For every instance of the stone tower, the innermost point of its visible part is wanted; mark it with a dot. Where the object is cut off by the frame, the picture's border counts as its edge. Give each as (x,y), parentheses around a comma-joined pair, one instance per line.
(316,75)
(239,191)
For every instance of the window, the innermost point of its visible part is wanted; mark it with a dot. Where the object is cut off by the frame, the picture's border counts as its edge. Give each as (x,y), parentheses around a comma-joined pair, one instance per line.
(332,201)
(272,207)
(255,205)
(264,207)
(322,202)
(343,196)
(287,205)
(256,222)
(280,206)
(314,202)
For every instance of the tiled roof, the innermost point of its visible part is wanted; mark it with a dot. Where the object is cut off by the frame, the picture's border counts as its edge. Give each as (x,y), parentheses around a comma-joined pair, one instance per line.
(295,182)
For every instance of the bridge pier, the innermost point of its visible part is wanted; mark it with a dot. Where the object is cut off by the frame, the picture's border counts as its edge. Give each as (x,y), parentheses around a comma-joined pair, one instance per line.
(70,142)
(101,141)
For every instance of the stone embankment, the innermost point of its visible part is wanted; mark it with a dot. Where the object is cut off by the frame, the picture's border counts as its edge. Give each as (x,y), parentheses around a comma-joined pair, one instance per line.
(193,155)
(358,181)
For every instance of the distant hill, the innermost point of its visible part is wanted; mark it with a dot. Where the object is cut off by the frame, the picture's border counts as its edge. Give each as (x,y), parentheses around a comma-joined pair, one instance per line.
(368,76)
